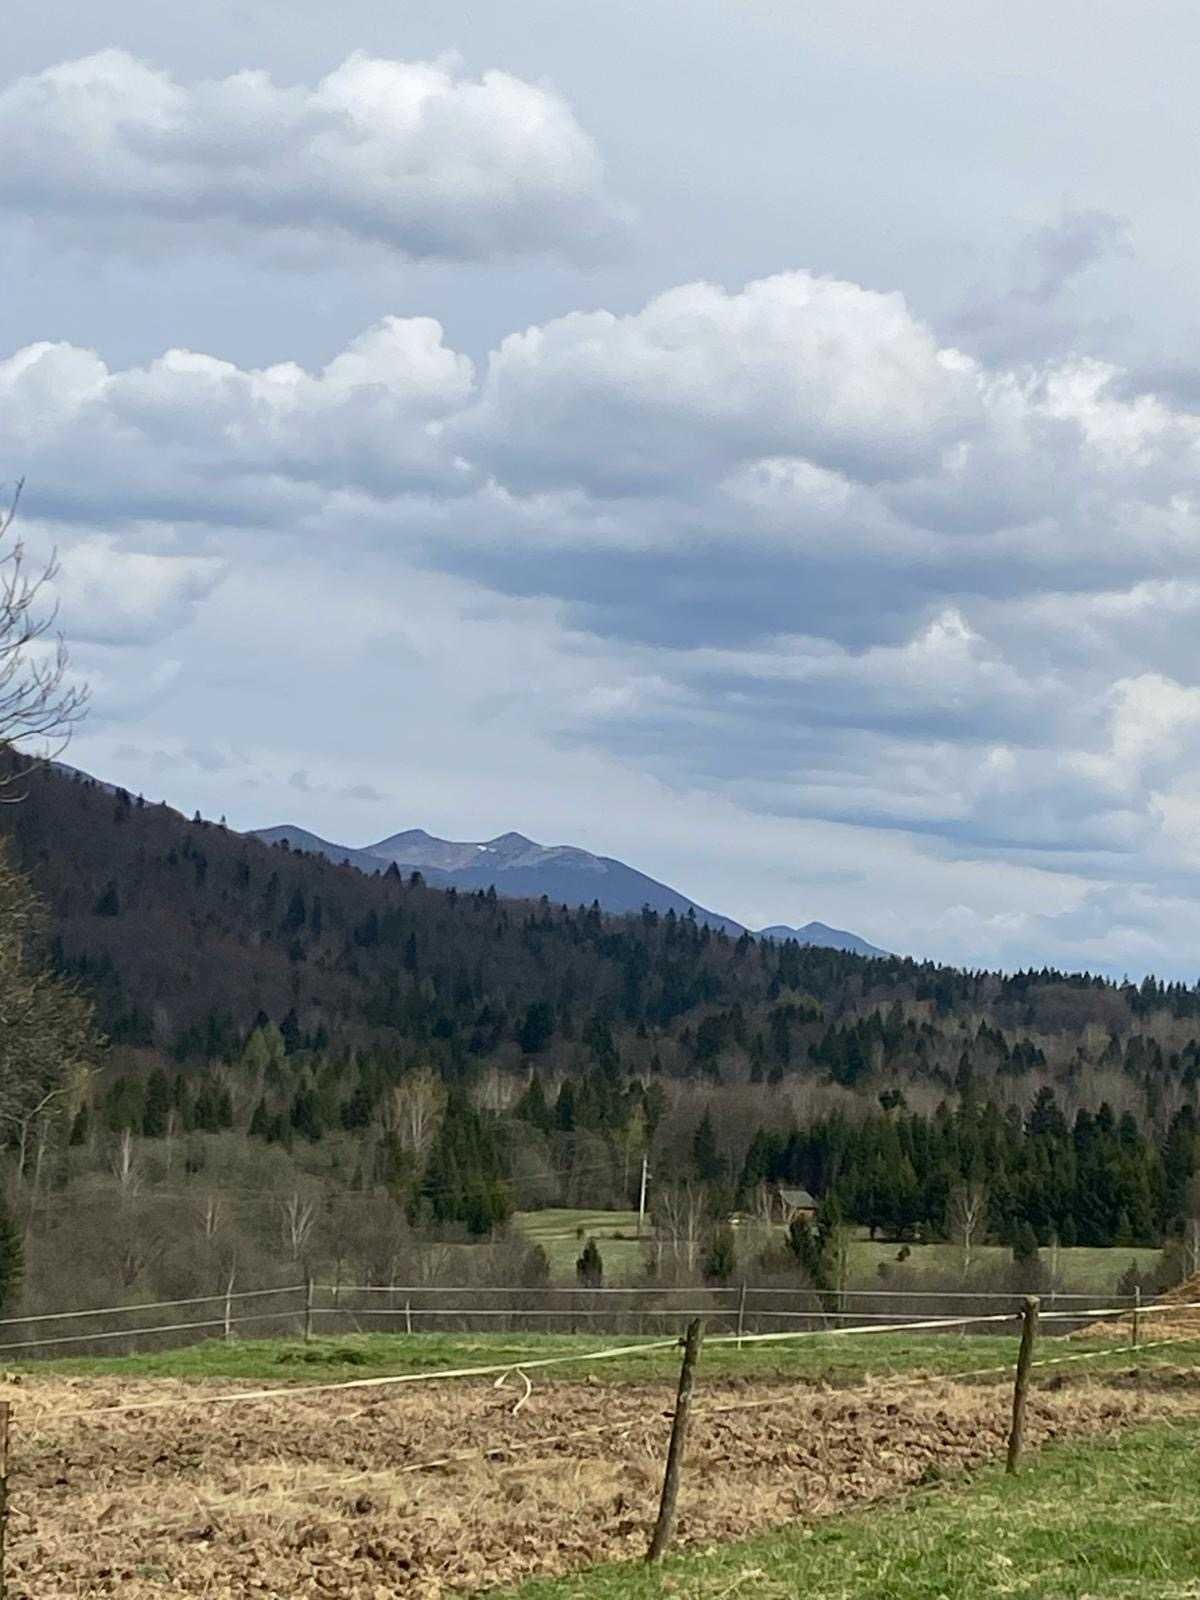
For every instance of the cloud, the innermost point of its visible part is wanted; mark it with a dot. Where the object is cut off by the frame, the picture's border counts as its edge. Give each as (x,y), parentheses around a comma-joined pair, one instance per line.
(1033,317)
(110,595)
(410,156)
(780,545)
(701,379)
(189,436)
(1051,256)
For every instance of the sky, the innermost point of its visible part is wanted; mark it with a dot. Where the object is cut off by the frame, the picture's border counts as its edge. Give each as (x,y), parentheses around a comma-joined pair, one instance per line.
(756,441)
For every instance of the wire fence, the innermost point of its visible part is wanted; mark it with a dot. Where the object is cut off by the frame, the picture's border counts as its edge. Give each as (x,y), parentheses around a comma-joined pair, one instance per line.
(735,1330)
(305,1309)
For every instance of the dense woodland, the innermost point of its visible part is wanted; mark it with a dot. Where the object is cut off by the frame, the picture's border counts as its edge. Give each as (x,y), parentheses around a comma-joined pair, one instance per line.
(282,1032)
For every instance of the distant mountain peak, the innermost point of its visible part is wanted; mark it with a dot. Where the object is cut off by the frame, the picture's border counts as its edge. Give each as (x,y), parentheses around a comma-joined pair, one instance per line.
(819,933)
(521,868)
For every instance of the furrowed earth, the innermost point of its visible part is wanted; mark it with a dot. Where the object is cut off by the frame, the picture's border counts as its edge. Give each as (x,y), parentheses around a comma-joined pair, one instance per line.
(334,1494)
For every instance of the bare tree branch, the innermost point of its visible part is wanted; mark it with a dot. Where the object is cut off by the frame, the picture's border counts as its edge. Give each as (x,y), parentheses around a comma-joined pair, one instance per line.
(39,705)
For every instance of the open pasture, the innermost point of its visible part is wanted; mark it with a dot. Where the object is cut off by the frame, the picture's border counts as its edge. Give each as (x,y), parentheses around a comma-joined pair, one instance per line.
(562,1233)
(216,1489)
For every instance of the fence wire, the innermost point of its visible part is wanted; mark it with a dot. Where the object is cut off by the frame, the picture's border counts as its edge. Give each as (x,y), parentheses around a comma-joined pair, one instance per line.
(250,1503)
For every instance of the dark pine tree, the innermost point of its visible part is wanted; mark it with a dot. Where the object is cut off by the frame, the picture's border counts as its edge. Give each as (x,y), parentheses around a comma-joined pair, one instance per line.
(589,1269)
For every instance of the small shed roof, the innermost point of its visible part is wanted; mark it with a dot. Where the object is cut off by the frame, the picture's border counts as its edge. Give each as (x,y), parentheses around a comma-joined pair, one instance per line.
(797,1199)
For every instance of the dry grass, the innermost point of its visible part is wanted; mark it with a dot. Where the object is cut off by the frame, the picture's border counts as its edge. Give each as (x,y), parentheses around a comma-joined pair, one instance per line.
(313,1496)
(1175,1323)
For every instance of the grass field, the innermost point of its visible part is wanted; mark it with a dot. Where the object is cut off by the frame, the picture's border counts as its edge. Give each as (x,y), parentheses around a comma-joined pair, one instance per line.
(1086,1270)
(1090,1521)
(365,1355)
(561,1232)
(825,1357)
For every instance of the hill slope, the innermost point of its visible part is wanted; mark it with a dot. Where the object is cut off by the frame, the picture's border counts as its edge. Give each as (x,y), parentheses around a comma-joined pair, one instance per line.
(189,935)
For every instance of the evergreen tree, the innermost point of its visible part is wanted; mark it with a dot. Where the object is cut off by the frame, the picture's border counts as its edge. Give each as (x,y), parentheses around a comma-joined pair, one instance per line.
(297,913)
(564,1107)
(821,1246)
(108,904)
(305,1115)
(707,1160)
(1024,1244)
(720,1261)
(463,1180)
(11,1258)
(158,1105)
(537,1029)
(260,1122)
(532,1107)
(589,1269)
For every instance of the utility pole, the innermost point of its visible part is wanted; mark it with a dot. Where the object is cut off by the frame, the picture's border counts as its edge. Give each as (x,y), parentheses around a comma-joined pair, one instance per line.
(642,1196)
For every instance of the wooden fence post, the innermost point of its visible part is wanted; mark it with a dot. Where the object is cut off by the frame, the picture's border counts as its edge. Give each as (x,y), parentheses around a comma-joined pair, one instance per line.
(1137,1313)
(665,1526)
(408,1316)
(229,1308)
(4,1423)
(741,1314)
(1020,1387)
(308,1309)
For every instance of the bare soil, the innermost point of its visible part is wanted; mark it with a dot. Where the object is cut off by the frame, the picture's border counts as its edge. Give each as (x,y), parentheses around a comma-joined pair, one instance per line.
(1181,1321)
(312,1495)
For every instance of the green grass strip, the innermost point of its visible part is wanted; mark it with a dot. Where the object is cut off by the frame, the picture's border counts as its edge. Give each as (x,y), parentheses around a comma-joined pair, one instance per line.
(1102,1520)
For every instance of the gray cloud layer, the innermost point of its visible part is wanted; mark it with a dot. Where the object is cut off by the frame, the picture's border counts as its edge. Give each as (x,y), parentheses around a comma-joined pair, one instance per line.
(943,568)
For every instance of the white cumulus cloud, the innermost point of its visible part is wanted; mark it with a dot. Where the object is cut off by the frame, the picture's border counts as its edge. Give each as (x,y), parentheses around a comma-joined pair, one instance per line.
(410,155)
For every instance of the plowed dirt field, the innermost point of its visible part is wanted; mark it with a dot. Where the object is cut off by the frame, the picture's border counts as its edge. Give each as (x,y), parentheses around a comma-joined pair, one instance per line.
(316,1495)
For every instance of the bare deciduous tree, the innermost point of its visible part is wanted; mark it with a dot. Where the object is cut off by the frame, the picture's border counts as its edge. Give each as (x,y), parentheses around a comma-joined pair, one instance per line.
(46,1041)
(210,1217)
(966,1220)
(679,1224)
(299,1220)
(496,1091)
(125,1167)
(414,1109)
(39,704)
(45,1028)
(1191,1229)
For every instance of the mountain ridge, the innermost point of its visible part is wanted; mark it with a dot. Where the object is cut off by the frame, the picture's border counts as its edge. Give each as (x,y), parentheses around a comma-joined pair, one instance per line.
(820,933)
(520,868)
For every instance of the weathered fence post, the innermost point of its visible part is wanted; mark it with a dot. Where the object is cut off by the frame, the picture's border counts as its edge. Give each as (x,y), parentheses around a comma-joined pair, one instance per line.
(1137,1314)
(308,1309)
(229,1308)
(741,1314)
(1020,1387)
(665,1526)
(408,1316)
(4,1422)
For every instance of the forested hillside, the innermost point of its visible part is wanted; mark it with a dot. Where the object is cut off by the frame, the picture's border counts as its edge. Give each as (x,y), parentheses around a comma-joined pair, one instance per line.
(189,935)
(457,1055)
